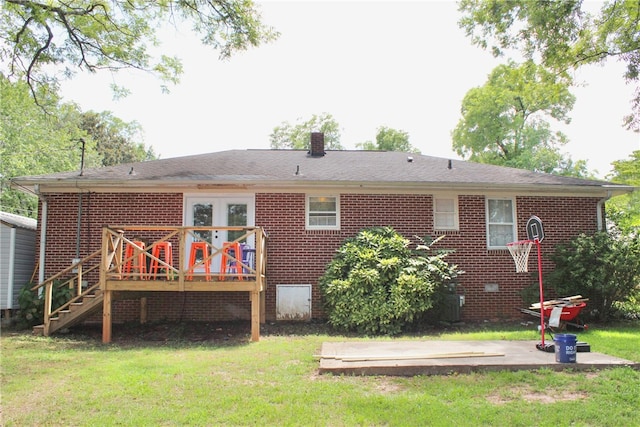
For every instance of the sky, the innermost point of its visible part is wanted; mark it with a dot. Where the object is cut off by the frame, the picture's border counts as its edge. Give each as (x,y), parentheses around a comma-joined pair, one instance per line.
(404,65)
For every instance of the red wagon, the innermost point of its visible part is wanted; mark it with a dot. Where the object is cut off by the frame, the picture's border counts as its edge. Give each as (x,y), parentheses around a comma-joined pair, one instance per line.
(570,312)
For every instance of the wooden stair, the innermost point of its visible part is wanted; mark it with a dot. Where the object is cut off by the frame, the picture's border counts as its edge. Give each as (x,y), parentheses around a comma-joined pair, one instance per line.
(75,313)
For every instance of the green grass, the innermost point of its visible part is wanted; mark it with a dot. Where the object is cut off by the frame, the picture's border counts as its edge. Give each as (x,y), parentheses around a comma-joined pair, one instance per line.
(77,381)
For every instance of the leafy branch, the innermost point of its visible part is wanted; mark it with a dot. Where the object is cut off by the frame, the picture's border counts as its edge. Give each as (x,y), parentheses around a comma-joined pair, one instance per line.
(38,37)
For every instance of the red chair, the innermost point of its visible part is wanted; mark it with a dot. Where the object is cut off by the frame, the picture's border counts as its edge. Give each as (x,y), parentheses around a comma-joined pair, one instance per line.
(203,247)
(162,251)
(230,259)
(135,263)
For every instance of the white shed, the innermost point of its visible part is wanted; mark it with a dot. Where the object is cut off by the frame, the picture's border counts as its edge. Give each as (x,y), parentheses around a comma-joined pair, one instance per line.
(17,256)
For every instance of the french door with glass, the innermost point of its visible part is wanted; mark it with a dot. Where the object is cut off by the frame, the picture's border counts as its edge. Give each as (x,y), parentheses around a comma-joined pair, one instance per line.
(217,211)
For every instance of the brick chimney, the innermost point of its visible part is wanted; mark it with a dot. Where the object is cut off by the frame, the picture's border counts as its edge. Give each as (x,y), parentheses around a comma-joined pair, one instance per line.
(317,144)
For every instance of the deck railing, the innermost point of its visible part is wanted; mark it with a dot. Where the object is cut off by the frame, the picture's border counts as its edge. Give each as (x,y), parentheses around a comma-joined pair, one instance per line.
(120,267)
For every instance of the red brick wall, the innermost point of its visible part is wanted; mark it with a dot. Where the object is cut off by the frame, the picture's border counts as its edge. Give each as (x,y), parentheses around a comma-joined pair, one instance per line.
(98,209)
(562,219)
(299,256)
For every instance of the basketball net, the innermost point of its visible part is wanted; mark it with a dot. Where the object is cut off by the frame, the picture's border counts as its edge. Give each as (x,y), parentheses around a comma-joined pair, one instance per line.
(520,252)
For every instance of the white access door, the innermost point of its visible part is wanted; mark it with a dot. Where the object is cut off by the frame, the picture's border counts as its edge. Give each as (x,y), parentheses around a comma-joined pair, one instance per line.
(293,302)
(217,211)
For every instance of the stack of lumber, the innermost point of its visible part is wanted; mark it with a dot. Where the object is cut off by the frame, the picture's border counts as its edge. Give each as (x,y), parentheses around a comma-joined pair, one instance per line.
(366,358)
(560,302)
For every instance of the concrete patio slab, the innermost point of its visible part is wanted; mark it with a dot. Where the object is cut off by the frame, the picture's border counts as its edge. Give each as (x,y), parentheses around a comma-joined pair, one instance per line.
(407,358)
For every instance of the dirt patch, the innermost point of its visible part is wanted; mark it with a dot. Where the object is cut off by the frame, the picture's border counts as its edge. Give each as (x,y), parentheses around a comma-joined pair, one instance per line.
(164,333)
(528,395)
(386,385)
(592,375)
(380,385)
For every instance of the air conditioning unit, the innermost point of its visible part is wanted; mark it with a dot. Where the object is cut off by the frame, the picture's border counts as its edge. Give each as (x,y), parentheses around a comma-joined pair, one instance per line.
(452,307)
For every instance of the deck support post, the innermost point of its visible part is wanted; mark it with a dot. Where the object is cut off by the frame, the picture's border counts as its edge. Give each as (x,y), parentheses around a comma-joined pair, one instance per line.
(255,315)
(106,317)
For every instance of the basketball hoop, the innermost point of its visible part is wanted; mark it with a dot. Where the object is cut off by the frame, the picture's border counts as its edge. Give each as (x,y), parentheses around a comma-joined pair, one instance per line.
(520,252)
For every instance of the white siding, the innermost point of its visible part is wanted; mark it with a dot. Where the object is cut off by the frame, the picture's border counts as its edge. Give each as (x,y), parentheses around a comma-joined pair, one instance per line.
(17,262)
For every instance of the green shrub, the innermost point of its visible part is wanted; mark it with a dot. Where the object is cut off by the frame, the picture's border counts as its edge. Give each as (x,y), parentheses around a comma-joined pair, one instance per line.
(628,310)
(376,284)
(601,267)
(32,304)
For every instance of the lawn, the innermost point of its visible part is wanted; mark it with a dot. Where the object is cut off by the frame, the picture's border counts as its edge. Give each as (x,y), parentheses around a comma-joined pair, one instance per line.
(171,378)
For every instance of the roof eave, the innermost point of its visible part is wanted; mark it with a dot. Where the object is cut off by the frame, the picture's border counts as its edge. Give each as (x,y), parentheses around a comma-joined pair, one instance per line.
(79,185)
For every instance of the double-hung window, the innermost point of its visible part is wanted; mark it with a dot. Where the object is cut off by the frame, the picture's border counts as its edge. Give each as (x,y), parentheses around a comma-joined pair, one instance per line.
(445,213)
(323,212)
(501,224)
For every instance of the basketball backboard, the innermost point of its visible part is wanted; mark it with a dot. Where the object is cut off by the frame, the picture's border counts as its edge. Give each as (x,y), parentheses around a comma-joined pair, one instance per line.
(534,229)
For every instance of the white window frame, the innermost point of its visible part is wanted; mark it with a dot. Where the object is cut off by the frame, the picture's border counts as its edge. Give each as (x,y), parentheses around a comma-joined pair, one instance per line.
(489,224)
(308,212)
(455,213)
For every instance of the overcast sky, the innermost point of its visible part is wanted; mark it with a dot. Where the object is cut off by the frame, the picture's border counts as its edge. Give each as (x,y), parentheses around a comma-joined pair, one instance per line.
(369,64)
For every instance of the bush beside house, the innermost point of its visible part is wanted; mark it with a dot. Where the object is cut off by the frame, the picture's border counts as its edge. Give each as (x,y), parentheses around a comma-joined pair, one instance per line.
(377,284)
(601,267)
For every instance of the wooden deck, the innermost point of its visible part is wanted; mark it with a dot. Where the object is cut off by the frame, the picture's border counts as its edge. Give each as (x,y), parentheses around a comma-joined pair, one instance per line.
(114,269)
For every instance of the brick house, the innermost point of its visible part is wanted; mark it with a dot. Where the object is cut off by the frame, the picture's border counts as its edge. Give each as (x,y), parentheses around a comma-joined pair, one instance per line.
(307,203)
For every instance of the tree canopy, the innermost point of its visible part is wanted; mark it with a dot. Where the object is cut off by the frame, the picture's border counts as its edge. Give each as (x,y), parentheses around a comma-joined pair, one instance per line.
(298,136)
(388,139)
(505,122)
(625,210)
(33,142)
(115,141)
(44,41)
(561,34)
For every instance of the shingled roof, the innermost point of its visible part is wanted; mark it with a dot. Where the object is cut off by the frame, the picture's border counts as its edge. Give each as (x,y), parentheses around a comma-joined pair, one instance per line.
(298,168)
(18,221)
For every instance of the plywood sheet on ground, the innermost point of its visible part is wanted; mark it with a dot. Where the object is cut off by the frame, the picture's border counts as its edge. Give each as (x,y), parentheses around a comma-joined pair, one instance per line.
(445,357)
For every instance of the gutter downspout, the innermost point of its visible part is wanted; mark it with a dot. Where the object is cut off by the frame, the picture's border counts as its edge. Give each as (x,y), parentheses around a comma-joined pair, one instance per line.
(79,226)
(43,235)
(12,267)
(601,220)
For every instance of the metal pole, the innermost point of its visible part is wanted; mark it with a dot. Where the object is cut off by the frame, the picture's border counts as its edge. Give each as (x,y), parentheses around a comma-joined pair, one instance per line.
(79,222)
(82,156)
(541,291)
(79,225)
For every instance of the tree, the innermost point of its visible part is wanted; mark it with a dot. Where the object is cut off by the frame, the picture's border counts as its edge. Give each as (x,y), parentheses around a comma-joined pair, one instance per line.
(114,138)
(44,40)
(388,139)
(33,142)
(562,34)
(298,136)
(625,210)
(504,121)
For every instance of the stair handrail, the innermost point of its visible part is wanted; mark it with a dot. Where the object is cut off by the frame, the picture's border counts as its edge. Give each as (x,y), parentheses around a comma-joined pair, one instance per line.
(68,269)
(48,286)
(84,293)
